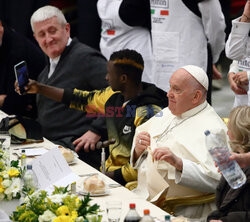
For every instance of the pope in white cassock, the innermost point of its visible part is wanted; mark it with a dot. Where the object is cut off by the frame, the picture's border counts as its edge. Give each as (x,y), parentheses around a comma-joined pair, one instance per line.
(169,150)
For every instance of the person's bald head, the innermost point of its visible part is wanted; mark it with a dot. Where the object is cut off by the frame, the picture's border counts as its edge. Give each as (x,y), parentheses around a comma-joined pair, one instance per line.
(185,93)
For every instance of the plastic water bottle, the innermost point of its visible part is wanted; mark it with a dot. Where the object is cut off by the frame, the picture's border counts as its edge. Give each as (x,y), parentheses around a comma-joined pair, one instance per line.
(30,179)
(230,169)
(132,215)
(147,217)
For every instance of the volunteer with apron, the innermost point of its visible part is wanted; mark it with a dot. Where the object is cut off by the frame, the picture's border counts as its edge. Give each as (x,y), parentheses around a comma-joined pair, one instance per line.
(235,68)
(118,34)
(181,30)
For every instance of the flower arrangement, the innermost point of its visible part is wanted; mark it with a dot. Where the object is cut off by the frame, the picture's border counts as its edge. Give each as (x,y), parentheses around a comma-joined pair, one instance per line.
(10,178)
(60,206)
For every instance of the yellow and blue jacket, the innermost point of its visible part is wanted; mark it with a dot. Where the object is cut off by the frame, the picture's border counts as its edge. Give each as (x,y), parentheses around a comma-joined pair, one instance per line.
(121,120)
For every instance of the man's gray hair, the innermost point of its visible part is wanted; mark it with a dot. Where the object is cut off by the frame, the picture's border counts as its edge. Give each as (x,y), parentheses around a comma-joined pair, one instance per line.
(45,13)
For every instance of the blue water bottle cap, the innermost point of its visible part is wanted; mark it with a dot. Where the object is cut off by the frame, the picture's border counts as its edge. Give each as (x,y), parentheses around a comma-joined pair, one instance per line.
(29,167)
(167,217)
(207,132)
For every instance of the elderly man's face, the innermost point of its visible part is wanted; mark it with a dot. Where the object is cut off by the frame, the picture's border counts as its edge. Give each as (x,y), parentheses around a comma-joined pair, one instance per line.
(181,92)
(51,36)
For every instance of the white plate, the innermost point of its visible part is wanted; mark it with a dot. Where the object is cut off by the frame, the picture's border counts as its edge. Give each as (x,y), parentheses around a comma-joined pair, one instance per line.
(107,192)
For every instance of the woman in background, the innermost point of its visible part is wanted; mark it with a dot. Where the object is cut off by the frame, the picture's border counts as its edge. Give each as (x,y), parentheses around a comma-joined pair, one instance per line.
(234,204)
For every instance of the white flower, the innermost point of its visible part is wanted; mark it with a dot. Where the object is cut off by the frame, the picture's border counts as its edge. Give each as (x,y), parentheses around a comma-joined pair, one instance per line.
(27,198)
(57,198)
(8,193)
(15,186)
(6,183)
(5,175)
(79,219)
(47,216)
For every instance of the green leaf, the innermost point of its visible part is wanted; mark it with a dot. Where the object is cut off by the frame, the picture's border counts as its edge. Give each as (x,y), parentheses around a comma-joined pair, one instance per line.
(85,209)
(14,163)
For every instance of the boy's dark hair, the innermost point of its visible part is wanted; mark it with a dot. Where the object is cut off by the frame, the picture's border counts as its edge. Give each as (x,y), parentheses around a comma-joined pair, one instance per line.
(129,62)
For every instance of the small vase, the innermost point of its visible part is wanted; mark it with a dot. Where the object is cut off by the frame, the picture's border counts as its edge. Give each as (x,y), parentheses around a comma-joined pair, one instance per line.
(8,206)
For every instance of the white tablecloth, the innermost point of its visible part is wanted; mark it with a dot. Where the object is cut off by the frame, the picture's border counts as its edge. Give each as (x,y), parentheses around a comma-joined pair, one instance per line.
(119,193)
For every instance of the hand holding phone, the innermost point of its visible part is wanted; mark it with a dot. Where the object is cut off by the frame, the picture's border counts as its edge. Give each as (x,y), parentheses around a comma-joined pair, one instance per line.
(22,76)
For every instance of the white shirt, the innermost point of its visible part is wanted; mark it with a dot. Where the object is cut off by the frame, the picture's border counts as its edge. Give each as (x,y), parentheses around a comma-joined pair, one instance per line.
(179,37)
(54,61)
(238,43)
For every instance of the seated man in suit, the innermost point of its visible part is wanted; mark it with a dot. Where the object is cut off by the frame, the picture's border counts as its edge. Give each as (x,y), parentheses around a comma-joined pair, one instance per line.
(71,64)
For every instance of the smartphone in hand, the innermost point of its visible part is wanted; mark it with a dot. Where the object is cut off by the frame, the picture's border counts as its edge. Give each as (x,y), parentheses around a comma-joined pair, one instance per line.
(22,76)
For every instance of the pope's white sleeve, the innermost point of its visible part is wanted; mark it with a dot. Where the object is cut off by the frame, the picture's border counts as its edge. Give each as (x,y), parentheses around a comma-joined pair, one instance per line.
(193,176)
(214,26)
(237,45)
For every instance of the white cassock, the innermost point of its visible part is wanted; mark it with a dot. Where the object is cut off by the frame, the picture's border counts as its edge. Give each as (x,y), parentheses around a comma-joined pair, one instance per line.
(185,137)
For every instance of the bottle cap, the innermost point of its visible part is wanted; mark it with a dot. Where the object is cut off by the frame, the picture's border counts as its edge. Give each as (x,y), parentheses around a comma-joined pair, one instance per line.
(207,132)
(29,167)
(132,205)
(167,217)
(146,212)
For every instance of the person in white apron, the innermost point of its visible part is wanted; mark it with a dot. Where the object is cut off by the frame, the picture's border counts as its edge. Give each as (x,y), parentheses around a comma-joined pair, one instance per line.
(238,43)
(116,34)
(242,91)
(181,31)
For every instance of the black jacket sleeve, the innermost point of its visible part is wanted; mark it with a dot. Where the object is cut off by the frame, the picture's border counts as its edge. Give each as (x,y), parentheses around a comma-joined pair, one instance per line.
(136,13)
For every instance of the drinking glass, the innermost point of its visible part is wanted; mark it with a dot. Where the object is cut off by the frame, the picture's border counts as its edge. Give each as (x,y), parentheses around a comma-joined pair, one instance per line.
(114,208)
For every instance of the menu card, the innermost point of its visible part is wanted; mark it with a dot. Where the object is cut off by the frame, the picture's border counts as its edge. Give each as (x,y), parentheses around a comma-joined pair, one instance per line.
(52,170)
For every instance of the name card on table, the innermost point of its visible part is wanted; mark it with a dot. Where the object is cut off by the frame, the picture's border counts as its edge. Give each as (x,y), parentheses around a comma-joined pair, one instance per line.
(52,170)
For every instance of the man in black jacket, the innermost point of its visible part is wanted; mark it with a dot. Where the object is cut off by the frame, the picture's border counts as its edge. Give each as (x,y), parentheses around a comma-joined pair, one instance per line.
(71,64)
(15,48)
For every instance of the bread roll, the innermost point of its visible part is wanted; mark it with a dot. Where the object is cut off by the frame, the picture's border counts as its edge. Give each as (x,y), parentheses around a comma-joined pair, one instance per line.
(94,185)
(179,219)
(68,154)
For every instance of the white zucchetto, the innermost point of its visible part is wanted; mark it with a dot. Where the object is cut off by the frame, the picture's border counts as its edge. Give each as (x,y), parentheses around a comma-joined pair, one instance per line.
(198,73)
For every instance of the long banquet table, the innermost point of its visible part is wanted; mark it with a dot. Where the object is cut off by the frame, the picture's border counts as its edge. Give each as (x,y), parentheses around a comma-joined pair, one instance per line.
(116,193)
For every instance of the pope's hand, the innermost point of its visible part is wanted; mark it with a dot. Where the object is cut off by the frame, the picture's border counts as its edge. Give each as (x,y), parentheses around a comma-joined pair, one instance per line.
(86,141)
(142,142)
(164,153)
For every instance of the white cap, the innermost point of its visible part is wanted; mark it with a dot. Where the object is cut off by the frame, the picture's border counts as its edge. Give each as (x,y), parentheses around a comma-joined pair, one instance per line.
(198,73)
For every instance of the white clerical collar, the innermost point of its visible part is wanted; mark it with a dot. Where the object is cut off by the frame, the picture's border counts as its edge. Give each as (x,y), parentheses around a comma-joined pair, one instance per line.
(69,41)
(193,111)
